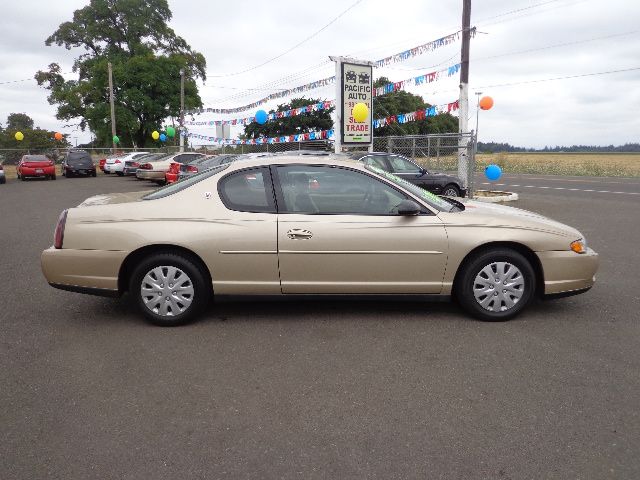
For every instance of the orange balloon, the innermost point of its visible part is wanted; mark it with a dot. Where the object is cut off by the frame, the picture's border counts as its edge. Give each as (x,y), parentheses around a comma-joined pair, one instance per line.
(486,103)
(57,136)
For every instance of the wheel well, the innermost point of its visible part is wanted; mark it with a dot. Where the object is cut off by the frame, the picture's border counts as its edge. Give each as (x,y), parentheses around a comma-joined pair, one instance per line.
(129,263)
(518,247)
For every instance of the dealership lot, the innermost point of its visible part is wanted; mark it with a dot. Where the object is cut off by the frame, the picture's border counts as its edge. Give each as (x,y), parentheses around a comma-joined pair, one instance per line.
(322,389)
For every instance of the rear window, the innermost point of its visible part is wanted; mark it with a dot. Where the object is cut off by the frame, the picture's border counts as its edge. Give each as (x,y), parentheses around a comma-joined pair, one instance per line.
(184,183)
(36,158)
(79,159)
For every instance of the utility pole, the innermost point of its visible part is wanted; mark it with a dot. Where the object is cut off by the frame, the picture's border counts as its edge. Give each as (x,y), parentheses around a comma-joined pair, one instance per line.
(181,109)
(463,122)
(113,112)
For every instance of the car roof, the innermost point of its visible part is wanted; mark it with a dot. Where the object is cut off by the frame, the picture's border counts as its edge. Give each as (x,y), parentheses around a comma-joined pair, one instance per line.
(336,159)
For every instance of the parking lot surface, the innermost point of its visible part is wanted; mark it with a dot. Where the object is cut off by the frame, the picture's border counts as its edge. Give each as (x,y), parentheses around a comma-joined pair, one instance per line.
(321,389)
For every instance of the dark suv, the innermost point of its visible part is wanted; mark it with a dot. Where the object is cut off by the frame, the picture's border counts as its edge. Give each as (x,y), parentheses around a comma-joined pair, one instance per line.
(78,162)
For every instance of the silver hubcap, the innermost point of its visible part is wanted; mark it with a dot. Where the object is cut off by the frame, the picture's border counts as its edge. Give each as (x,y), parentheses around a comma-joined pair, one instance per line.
(167,291)
(498,286)
(450,192)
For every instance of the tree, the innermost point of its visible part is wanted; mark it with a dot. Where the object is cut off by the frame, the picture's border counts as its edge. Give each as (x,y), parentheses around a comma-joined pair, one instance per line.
(19,121)
(404,102)
(36,140)
(147,57)
(302,123)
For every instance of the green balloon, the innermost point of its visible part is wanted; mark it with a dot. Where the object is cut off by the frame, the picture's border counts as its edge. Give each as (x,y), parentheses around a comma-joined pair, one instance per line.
(171,132)
(116,140)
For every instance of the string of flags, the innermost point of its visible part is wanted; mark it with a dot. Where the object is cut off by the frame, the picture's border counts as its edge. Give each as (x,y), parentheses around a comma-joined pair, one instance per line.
(315,107)
(388,88)
(328,134)
(419,80)
(396,58)
(282,93)
(422,49)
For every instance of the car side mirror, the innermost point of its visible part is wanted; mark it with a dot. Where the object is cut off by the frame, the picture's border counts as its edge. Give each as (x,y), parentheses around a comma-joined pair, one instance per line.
(408,207)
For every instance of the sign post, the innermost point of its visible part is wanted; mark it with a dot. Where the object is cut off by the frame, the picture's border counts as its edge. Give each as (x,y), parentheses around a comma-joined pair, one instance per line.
(354,84)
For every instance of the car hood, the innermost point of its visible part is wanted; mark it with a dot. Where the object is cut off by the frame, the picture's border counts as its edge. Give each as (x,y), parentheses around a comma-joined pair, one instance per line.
(495,215)
(111,198)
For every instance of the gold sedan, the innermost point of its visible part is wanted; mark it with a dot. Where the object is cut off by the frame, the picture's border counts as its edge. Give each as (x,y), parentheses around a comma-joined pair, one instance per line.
(324,225)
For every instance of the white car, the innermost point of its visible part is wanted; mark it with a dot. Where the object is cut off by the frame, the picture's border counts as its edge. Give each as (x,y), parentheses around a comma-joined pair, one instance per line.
(115,164)
(156,170)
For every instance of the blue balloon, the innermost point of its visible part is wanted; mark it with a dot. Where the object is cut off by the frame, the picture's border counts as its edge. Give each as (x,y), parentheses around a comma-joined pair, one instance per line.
(261,117)
(163,137)
(493,172)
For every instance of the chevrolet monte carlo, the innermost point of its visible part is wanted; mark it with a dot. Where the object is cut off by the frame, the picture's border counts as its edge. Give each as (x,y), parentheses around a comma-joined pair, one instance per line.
(321,225)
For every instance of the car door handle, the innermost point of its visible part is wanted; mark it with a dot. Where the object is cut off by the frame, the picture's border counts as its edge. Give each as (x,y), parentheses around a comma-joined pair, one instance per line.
(299,234)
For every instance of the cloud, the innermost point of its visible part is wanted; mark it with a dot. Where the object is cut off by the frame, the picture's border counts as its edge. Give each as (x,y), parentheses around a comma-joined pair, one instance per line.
(234,36)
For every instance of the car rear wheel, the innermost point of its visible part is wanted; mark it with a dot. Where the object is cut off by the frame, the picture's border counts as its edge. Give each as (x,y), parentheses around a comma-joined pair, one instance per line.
(53,177)
(169,289)
(496,285)
(451,191)
(119,174)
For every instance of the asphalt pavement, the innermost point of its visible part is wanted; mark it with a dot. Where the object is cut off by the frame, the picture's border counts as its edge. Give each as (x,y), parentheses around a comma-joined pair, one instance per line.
(279,390)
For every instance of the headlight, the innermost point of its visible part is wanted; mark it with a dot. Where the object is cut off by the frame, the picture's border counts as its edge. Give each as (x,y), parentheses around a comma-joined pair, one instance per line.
(579,246)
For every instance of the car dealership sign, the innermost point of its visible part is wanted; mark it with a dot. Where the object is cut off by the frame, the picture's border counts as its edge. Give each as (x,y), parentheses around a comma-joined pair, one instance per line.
(354,85)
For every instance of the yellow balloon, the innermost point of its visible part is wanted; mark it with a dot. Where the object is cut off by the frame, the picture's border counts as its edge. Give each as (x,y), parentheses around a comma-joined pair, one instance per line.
(19,136)
(360,112)
(155,135)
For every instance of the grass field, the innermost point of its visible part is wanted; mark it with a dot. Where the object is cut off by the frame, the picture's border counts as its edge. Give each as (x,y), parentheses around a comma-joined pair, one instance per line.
(584,164)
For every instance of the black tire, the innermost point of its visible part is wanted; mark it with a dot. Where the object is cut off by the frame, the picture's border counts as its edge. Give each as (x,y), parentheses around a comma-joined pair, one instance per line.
(21,177)
(3,180)
(196,276)
(473,269)
(53,177)
(451,190)
(120,174)
(94,173)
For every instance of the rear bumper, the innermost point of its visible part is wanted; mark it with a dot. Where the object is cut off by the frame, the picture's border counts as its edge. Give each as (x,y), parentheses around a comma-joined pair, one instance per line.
(130,170)
(150,174)
(32,172)
(568,273)
(74,270)
(113,167)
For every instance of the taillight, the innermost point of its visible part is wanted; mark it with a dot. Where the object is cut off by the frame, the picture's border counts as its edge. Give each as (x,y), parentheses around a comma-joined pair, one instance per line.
(192,169)
(174,167)
(146,166)
(58,235)
(135,164)
(117,161)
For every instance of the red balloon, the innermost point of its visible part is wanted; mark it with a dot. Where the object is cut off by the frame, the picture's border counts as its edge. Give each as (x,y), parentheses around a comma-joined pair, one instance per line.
(486,103)
(57,136)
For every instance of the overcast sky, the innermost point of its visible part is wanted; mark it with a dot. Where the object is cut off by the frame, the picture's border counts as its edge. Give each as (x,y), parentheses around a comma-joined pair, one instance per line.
(522,41)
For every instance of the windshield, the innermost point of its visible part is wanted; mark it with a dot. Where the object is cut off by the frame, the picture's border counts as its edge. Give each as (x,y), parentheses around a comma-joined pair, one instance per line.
(432,199)
(184,183)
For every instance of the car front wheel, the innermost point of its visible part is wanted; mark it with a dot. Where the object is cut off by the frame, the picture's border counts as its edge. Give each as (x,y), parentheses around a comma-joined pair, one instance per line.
(170,289)
(496,285)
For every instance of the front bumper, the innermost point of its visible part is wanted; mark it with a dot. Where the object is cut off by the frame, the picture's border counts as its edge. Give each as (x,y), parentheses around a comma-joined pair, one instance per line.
(566,272)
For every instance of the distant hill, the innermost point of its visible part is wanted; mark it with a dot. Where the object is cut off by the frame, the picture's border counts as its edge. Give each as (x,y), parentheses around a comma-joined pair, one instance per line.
(493,147)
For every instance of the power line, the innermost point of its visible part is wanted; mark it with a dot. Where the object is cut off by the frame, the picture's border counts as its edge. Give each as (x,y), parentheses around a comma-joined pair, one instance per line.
(559,78)
(292,48)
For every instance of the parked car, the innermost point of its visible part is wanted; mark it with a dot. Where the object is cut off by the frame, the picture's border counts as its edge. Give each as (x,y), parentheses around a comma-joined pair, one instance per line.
(203,164)
(175,168)
(78,162)
(101,163)
(3,178)
(33,166)
(438,183)
(131,166)
(116,163)
(258,227)
(155,171)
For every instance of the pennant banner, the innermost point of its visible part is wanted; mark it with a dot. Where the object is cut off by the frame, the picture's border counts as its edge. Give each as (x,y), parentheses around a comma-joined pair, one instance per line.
(388,88)
(328,134)
(397,58)
(282,93)
(416,81)
(271,116)
(422,49)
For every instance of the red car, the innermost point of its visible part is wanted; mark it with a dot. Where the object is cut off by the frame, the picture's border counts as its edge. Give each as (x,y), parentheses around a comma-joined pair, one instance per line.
(36,166)
(174,171)
(102,162)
